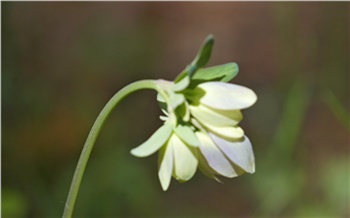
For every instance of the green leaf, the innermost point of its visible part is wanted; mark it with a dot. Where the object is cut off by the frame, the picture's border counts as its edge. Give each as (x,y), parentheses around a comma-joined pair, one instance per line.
(156,141)
(222,73)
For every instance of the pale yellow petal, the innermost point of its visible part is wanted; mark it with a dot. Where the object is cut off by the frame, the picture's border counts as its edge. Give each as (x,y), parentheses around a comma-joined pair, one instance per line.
(239,152)
(166,166)
(216,117)
(229,132)
(157,140)
(225,96)
(214,157)
(186,134)
(185,161)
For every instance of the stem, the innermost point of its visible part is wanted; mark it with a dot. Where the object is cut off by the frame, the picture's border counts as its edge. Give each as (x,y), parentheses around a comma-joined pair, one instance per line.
(90,141)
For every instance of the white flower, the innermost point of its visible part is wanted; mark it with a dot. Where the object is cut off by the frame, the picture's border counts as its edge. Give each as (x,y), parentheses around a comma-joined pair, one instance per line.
(202,113)
(202,131)
(215,109)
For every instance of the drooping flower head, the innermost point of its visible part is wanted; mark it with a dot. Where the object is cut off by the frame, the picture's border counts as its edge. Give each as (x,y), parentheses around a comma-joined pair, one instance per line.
(201,117)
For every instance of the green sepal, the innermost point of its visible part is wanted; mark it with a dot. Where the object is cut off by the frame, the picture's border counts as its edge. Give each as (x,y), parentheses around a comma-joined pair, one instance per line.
(204,53)
(183,111)
(222,73)
(182,75)
(200,60)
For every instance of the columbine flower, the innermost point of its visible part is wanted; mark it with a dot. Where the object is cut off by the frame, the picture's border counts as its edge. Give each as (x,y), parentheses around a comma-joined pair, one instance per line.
(200,129)
(215,108)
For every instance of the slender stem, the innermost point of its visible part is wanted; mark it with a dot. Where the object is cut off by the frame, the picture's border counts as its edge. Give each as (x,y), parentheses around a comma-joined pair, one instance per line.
(90,141)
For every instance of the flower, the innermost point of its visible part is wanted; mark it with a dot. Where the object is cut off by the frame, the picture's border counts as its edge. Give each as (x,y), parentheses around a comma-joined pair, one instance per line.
(211,138)
(224,149)
(202,113)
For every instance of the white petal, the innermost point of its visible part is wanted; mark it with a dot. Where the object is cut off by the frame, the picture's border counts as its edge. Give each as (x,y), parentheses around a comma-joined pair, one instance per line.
(206,169)
(229,132)
(232,114)
(239,152)
(214,157)
(166,166)
(187,135)
(215,117)
(196,124)
(225,96)
(157,140)
(185,161)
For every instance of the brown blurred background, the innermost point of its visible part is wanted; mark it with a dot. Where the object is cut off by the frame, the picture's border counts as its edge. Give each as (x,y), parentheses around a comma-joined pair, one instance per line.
(61,62)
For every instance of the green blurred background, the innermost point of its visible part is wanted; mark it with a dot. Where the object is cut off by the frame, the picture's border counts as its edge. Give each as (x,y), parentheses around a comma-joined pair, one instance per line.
(61,62)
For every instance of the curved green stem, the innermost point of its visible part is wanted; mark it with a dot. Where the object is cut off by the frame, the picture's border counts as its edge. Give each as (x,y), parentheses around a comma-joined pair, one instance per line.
(90,141)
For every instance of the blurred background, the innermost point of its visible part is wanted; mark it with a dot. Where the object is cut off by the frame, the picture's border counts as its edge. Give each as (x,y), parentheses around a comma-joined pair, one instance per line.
(61,62)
